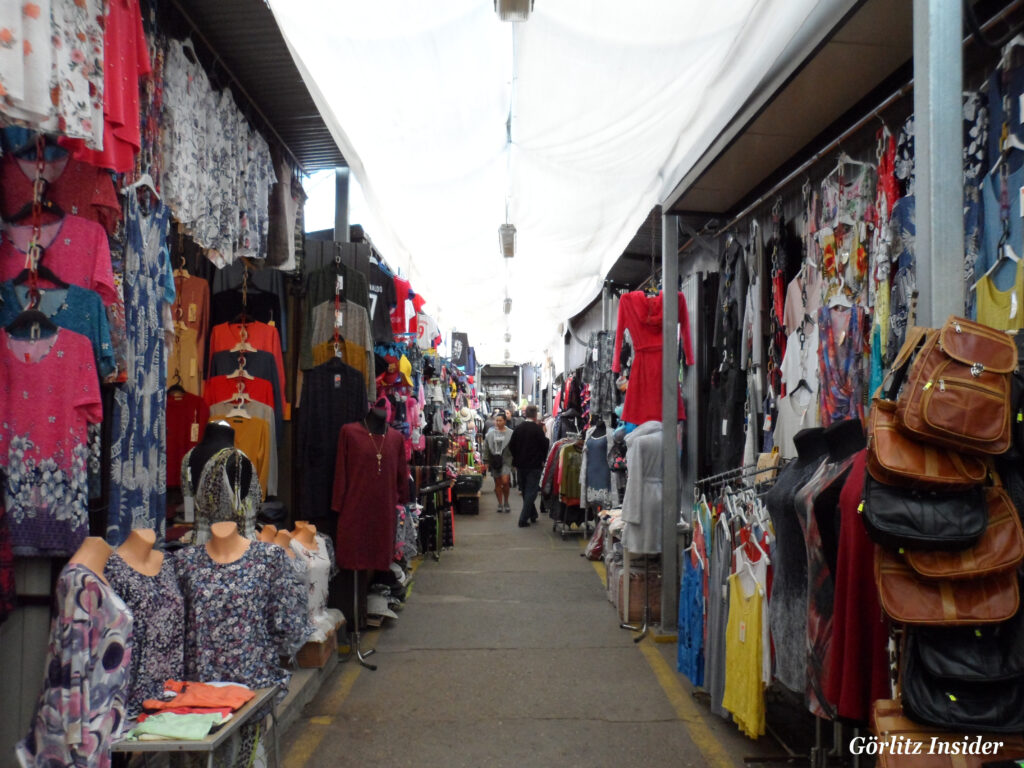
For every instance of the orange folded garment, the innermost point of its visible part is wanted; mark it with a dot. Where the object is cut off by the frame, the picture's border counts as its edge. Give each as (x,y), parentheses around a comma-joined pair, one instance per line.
(203,695)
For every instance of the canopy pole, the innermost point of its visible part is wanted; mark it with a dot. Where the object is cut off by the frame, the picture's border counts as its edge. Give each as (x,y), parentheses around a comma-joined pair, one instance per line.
(938,137)
(341,230)
(669,421)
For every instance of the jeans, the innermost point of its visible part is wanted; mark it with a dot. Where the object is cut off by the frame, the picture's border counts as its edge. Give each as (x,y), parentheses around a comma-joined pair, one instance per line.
(531,487)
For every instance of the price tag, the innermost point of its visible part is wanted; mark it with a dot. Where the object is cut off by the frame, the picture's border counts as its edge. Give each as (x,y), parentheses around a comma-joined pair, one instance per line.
(1020,205)
(595,355)
(337,381)
(193,435)
(743,631)
(339,283)
(725,427)
(193,367)
(767,422)
(1013,305)
(193,312)
(339,318)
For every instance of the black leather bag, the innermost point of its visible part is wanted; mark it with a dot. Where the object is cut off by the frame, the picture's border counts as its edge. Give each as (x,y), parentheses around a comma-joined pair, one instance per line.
(985,653)
(918,519)
(996,706)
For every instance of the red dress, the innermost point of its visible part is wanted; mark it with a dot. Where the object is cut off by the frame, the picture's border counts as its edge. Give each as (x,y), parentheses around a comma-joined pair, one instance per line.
(365,497)
(641,314)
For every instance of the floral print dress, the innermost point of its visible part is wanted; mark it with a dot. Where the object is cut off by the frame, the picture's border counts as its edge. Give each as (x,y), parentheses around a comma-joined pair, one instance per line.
(81,709)
(49,394)
(158,643)
(241,616)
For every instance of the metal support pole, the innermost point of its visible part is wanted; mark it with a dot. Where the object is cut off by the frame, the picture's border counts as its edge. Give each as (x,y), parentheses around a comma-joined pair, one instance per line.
(938,137)
(606,308)
(341,233)
(669,420)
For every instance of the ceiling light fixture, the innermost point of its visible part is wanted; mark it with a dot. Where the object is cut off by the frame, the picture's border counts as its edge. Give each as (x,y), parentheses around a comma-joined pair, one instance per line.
(507,240)
(513,10)
(508,306)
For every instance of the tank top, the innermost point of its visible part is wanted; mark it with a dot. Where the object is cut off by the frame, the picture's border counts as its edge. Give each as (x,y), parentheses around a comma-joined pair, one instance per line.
(744,690)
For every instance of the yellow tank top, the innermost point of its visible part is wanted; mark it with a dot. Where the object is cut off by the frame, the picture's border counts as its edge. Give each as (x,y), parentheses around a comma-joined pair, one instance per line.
(744,691)
(1002,309)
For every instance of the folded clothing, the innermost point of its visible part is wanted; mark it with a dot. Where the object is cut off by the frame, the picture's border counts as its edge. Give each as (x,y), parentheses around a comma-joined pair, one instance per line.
(167,725)
(202,695)
(223,712)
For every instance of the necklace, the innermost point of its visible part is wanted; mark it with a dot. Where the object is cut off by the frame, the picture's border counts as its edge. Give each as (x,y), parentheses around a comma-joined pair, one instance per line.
(379,448)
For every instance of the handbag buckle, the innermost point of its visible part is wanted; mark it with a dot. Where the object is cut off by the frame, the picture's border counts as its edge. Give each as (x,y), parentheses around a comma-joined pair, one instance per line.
(977,369)
(957,328)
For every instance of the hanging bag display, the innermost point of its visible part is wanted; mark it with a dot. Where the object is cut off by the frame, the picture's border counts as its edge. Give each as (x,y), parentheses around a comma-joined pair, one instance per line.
(917,519)
(909,598)
(971,654)
(995,706)
(897,459)
(1000,548)
(957,387)
(889,725)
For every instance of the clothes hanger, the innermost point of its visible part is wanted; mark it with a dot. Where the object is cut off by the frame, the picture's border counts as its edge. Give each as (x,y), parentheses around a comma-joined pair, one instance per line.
(240,371)
(47,206)
(41,271)
(34,321)
(145,181)
(1006,253)
(243,344)
(177,386)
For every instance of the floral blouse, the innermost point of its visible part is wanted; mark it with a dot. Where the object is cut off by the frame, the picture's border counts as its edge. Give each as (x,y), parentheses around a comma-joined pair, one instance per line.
(57,86)
(240,616)
(81,709)
(158,643)
(49,393)
(213,498)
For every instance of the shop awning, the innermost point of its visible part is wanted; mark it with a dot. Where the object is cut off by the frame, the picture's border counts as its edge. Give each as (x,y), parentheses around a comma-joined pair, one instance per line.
(577,122)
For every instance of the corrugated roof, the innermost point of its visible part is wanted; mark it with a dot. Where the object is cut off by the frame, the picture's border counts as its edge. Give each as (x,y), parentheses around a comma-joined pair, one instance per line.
(245,37)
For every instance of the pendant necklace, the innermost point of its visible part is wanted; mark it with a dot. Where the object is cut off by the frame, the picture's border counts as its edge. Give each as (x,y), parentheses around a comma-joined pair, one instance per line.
(379,448)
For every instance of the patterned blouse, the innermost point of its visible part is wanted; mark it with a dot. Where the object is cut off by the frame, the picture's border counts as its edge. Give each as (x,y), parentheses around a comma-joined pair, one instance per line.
(81,709)
(241,616)
(214,498)
(158,645)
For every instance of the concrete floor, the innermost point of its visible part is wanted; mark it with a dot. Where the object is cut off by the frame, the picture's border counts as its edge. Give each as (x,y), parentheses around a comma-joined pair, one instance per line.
(508,653)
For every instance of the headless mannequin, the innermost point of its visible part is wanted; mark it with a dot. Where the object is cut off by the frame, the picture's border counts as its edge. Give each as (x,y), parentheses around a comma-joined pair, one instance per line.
(218,436)
(93,554)
(268,533)
(226,544)
(600,428)
(139,553)
(284,539)
(844,439)
(375,420)
(306,536)
(810,444)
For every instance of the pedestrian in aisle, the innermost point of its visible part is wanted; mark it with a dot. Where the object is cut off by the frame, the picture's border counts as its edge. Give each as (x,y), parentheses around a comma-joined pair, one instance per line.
(499,458)
(529,447)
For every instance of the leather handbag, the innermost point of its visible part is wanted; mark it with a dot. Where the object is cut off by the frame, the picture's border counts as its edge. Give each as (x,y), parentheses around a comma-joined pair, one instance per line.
(890,725)
(909,598)
(897,459)
(1000,548)
(957,388)
(995,706)
(971,654)
(918,519)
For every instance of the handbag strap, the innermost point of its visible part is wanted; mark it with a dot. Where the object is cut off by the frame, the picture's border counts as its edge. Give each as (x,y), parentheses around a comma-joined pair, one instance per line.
(916,338)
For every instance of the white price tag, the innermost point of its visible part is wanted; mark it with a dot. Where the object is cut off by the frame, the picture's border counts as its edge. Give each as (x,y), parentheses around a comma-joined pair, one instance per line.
(193,435)
(339,283)
(725,427)
(1020,202)
(743,631)
(339,318)
(1013,305)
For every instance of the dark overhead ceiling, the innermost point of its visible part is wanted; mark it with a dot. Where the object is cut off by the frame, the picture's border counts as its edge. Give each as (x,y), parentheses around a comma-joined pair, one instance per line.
(245,38)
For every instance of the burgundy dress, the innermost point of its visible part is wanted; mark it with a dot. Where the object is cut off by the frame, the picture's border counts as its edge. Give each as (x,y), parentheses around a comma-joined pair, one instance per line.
(365,498)
(641,314)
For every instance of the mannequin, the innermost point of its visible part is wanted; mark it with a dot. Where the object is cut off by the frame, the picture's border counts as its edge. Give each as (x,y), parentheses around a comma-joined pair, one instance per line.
(93,554)
(218,436)
(138,552)
(600,427)
(376,419)
(226,544)
(306,536)
(267,533)
(810,444)
(284,539)
(844,439)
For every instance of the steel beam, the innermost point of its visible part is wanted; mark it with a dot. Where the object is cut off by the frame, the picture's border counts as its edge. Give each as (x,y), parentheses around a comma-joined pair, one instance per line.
(669,420)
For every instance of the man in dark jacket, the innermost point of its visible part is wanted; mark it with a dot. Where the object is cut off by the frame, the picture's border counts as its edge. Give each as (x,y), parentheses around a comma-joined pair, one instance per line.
(529,448)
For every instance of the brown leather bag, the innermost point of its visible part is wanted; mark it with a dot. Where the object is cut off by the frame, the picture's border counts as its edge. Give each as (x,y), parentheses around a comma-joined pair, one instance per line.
(891,727)
(896,459)
(1000,548)
(909,598)
(957,389)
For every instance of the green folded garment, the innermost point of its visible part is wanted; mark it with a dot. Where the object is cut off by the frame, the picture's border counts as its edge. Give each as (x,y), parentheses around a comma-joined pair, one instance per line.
(170,726)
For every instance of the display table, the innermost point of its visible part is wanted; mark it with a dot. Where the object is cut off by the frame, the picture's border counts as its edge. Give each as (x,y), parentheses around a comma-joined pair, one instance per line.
(210,744)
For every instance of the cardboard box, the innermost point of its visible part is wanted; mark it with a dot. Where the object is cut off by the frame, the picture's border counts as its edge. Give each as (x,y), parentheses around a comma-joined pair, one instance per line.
(636,596)
(317,654)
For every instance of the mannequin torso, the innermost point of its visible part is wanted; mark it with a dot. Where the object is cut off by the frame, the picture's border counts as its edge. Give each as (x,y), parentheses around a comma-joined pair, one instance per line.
(138,552)
(218,436)
(306,536)
(226,544)
(284,539)
(93,554)
(268,533)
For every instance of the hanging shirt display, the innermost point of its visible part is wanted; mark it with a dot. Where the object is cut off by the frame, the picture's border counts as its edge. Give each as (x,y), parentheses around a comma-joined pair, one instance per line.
(841,352)
(383,299)
(138,471)
(745,649)
(81,710)
(187,415)
(43,439)
(641,315)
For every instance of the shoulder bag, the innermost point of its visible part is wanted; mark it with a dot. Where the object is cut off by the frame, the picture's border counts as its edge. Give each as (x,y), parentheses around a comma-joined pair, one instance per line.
(971,654)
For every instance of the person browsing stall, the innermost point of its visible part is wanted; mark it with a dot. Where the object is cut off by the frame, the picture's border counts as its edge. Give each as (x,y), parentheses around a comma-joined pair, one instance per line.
(498,456)
(529,446)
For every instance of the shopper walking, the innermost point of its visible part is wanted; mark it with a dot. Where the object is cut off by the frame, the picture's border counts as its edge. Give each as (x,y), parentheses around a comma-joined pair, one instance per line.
(499,458)
(529,446)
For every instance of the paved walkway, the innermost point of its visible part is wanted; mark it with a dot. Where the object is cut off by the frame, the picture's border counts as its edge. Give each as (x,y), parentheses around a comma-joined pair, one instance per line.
(508,653)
